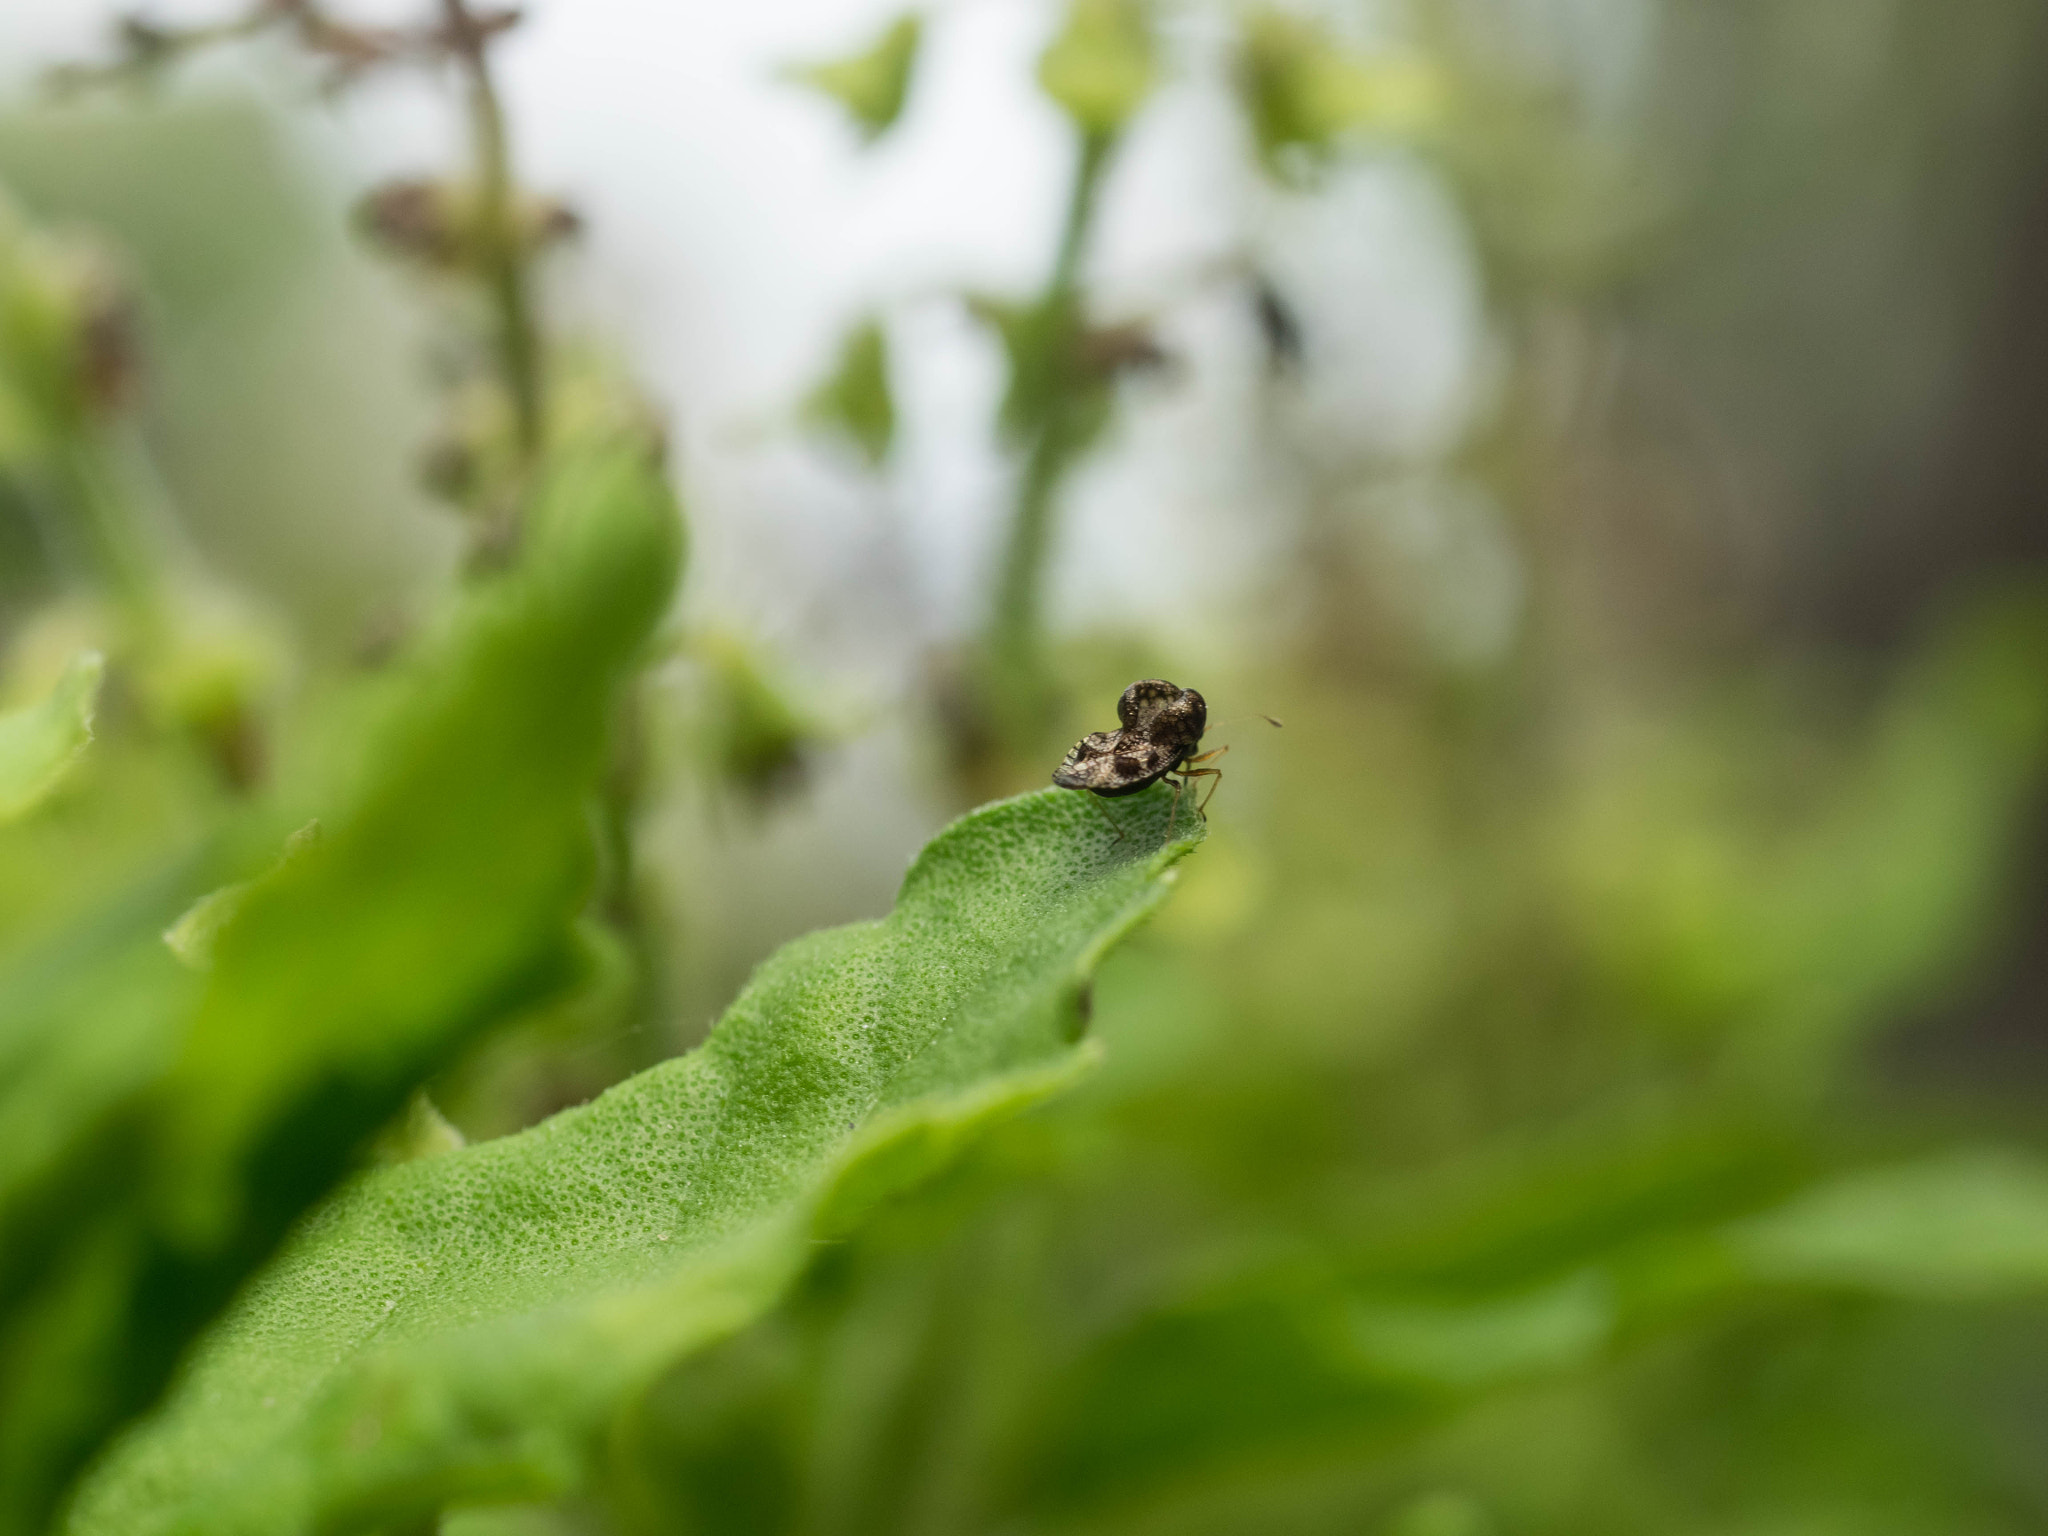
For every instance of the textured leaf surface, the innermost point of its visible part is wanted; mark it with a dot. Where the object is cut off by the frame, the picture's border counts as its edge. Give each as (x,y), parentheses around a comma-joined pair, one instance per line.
(40,741)
(161,1129)
(467,1327)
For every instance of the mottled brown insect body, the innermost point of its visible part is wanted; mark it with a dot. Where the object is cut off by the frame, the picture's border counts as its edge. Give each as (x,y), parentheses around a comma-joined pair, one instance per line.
(1162,729)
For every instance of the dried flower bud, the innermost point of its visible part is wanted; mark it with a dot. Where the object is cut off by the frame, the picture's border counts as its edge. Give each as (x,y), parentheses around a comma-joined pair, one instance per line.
(438,225)
(109,349)
(1105,351)
(419,221)
(548,221)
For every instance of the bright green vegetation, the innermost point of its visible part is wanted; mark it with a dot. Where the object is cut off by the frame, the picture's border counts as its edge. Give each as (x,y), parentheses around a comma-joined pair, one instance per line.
(161,1125)
(473,1325)
(38,742)
(1588,1083)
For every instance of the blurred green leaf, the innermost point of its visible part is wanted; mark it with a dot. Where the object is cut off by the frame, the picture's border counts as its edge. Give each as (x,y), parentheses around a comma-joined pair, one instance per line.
(466,1327)
(1963,1225)
(40,741)
(1798,917)
(872,85)
(1474,1344)
(165,1128)
(1541,1268)
(63,335)
(856,399)
(1102,65)
(754,736)
(1048,381)
(1302,89)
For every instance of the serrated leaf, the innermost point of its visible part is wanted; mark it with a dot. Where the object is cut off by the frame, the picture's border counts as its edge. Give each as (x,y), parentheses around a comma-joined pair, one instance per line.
(872,85)
(470,1326)
(40,742)
(160,1129)
(1102,65)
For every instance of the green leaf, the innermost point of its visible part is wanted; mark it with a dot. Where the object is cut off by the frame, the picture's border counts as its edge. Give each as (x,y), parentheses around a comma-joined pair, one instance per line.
(1102,65)
(1964,1225)
(1301,90)
(40,742)
(1720,897)
(472,1327)
(856,399)
(162,1127)
(872,85)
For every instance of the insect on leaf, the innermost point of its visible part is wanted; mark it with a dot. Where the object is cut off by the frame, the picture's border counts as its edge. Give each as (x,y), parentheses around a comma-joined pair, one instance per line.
(468,1327)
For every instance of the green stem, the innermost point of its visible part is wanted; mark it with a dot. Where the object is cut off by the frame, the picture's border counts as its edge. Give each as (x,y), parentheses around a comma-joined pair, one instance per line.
(503,254)
(1014,633)
(1082,198)
(1016,616)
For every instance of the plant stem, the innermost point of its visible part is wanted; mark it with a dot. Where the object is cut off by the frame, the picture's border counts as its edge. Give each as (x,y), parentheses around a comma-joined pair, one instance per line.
(1081,202)
(1016,616)
(503,254)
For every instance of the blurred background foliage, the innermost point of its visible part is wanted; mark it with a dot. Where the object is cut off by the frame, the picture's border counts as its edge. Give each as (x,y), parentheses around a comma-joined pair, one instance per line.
(1589,1079)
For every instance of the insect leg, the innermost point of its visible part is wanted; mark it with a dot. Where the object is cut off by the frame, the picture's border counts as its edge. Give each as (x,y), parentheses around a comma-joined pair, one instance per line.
(1213,752)
(1188,775)
(1097,800)
(1174,812)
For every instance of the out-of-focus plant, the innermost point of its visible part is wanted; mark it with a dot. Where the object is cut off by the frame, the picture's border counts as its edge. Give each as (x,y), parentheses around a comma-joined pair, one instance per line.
(479,1323)
(1303,91)
(197,658)
(39,741)
(856,401)
(1063,366)
(873,85)
(187,1072)
(756,735)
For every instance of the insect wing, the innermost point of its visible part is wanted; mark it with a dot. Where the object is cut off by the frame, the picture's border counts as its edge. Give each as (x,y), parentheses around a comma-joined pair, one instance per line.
(1088,762)
(1114,763)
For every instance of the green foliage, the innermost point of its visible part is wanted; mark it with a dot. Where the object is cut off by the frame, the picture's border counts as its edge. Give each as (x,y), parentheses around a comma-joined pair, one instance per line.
(1302,90)
(60,341)
(1785,920)
(1478,1173)
(1102,65)
(754,737)
(1041,344)
(473,1325)
(1549,1109)
(1965,1225)
(39,742)
(872,85)
(159,1130)
(856,399)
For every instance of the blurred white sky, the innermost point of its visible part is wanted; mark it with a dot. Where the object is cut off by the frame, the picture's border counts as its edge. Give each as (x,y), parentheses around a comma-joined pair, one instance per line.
(736,226)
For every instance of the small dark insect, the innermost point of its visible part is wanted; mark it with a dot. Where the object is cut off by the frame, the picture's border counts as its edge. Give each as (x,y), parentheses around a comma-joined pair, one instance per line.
(1162,727)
